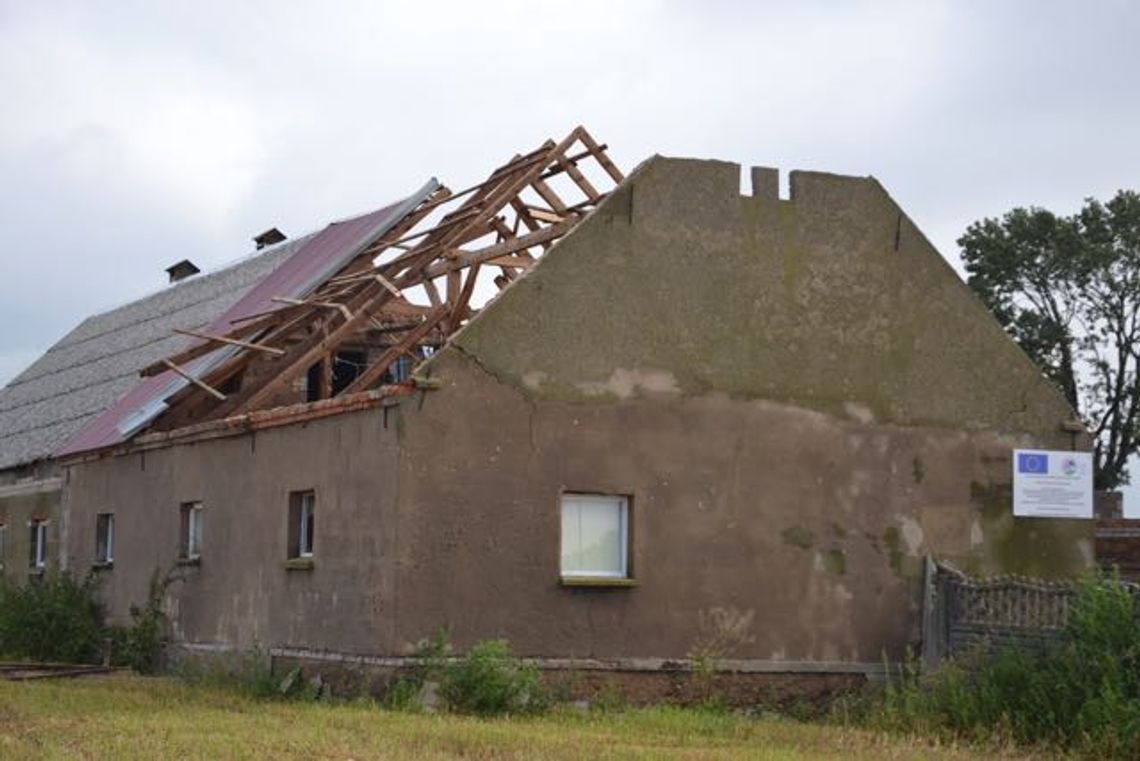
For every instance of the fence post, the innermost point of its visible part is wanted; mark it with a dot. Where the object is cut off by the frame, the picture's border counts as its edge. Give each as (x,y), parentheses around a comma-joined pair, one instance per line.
(931,649)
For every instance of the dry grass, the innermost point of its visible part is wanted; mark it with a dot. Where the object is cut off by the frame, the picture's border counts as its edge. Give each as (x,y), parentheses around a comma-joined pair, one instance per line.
(124,717)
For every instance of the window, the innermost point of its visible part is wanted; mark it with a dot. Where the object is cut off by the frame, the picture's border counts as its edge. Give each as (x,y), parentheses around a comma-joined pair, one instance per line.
(37,552)
(190,539)
(595,536)
(104,538)
(302,509)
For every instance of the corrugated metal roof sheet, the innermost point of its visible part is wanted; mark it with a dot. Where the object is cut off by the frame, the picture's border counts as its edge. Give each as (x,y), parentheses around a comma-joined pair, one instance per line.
(317,259)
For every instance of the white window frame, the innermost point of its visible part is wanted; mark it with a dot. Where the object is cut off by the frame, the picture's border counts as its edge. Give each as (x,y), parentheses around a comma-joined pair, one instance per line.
(109,556)
(306,512)
(623,539)
(191,514)
(37,558)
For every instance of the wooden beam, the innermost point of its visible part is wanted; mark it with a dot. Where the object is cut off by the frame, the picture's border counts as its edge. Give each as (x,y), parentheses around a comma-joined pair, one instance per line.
(388,286)
(408,270)
(573,158)
(599,154)
(200,384)
(324,304)
(544,215)
(402,308)
(524,214)
(549,196)
(200,350)
(375,370)
(230,341)
(518,262)
(514,245)
(579,178)
(459,311)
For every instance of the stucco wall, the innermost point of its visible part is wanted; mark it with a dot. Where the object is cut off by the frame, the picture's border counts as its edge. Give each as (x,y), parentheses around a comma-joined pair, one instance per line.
(813,524)
(16,512)
(26,494)
(241,594)
(800,396)
(831,301)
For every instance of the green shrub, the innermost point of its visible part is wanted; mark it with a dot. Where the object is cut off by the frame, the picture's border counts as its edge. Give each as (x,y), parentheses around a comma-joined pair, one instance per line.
(1082,694)
(489,680)
(56,617)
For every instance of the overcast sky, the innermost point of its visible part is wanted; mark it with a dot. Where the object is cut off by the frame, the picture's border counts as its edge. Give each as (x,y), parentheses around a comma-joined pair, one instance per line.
(135,134)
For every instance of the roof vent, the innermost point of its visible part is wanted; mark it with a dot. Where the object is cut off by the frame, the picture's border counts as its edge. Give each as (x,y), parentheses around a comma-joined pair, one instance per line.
(268,238)
(182,270)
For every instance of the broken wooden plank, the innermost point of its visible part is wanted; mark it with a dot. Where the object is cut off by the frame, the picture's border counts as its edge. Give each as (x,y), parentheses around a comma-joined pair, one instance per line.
(200,384)
(230,341)
(325,304)
(544,215)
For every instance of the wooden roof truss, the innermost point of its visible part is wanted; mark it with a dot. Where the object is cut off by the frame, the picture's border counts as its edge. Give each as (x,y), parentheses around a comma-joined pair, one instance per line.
(411,289)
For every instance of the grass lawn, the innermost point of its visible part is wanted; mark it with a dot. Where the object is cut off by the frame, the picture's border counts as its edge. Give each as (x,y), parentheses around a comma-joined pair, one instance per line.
(124,717)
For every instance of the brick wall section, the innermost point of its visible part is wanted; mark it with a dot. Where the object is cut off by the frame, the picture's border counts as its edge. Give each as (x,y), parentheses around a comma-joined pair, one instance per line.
(1118,546)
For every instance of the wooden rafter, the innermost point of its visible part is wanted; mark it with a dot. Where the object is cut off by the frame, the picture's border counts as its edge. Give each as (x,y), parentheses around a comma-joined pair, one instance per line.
(451,237)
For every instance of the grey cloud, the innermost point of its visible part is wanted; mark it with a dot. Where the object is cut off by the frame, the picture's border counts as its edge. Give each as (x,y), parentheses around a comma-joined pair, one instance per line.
(307,113)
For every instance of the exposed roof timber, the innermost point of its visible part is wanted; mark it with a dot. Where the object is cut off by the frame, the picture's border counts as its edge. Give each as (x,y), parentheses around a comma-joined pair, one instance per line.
(488,230)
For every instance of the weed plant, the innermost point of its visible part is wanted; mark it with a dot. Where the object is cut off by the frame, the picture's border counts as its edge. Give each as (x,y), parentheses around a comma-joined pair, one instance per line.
(1081,694)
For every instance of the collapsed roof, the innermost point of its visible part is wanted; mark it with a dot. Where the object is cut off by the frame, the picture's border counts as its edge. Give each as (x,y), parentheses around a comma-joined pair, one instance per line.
(359,305)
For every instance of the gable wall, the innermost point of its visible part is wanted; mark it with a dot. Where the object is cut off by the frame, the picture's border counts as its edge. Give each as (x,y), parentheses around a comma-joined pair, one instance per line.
(800,397)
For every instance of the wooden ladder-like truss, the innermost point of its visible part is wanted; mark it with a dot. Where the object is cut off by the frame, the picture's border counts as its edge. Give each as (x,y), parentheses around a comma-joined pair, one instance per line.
(437,255)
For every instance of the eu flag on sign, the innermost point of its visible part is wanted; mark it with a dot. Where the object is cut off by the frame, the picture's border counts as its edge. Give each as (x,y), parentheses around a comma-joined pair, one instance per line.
(1032,462)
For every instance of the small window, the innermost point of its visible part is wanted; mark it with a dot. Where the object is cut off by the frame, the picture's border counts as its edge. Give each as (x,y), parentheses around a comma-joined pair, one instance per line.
(105,538)
(302,515)
(190,540)
(37,550)
(595,536)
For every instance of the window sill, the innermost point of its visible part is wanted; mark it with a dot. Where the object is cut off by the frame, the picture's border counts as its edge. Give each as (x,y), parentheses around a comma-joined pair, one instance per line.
(596,581)
(193,562)
(99,565)
(299,564)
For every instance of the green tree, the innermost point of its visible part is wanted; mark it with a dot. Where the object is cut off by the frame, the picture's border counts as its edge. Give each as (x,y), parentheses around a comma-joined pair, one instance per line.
(1068,290)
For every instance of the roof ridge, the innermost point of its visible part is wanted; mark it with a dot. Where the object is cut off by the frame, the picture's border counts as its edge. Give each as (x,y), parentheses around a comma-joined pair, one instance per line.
(59,345)
(188,283)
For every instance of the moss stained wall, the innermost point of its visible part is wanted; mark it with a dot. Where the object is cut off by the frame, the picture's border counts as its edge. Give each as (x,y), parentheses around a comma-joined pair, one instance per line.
(833,301)
(801,397)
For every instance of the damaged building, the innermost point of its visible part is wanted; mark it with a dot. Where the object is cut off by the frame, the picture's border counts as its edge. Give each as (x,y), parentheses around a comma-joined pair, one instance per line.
(590,413)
